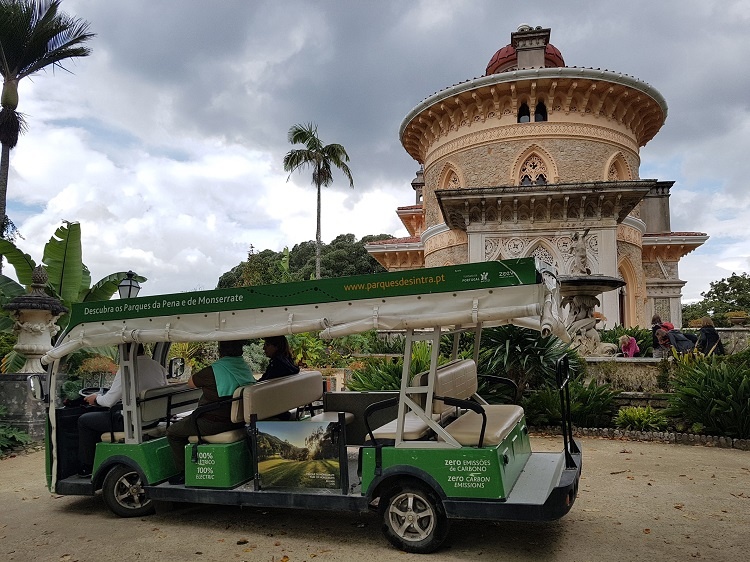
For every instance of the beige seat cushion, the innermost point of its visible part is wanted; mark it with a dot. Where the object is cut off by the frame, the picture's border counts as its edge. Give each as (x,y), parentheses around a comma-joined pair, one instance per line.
(501,419)
(327,417)
(224,437)
(414,428)
(152,433)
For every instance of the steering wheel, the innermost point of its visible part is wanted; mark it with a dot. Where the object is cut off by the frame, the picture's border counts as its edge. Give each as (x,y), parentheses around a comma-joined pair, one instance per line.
(89,390)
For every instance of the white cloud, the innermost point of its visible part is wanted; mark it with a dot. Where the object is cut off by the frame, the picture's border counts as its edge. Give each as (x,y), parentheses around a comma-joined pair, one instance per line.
(166,143)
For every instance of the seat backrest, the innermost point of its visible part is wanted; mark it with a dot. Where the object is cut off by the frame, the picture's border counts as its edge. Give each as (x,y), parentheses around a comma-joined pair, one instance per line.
(271,398)
(457,379)
(238,413)
(159,403)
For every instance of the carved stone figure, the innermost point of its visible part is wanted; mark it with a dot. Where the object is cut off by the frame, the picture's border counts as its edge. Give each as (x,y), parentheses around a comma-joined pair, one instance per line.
(578,249)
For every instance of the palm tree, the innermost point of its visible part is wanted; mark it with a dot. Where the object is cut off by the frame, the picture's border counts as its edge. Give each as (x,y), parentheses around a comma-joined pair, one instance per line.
(33,35)
(320,158)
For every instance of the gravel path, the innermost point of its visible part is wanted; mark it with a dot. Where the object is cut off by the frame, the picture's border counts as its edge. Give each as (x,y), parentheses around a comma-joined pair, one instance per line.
(638,501)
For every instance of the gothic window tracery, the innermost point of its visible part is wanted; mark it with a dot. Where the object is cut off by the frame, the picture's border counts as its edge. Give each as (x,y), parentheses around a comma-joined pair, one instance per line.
(541,253)
(533,171)
(613,174)
(453,181)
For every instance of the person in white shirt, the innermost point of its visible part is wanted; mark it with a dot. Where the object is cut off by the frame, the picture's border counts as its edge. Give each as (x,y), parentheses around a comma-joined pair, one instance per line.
(91,425)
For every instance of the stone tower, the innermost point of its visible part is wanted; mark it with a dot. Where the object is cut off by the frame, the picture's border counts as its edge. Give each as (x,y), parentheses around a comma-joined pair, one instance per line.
(517,161)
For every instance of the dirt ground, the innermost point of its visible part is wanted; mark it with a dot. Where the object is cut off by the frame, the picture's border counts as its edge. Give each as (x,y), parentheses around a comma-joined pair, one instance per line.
(637,501)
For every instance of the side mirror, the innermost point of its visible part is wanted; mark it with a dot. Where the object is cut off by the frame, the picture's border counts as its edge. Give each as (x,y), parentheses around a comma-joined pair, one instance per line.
(36,387)
(176,367)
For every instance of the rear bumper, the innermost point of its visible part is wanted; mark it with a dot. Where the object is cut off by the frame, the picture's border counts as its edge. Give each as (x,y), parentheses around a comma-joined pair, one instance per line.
(557,504)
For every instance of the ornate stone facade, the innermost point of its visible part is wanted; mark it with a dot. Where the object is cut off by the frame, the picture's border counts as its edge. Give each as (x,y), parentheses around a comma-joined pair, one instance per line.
(517,161)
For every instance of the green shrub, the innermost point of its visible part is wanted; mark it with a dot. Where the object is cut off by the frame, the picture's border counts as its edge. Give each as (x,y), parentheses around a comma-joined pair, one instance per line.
(10,436)
(641,419)
(375,375)
(70,388)
(739,358)
(542,407)
(523,356)
(591,405)
(385,374)
(713,393)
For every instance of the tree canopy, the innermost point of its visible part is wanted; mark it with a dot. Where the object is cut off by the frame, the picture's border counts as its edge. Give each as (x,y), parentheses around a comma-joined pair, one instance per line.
(322,159)
(345,255)
(730,294)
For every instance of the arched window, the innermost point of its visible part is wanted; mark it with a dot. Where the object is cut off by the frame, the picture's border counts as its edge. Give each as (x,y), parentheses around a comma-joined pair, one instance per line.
(533,171)
(540,113)
(524,115)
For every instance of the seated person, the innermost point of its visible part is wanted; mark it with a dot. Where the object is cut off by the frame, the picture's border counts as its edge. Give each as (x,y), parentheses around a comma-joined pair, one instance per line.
(91,425)
(217,381)
(282,364)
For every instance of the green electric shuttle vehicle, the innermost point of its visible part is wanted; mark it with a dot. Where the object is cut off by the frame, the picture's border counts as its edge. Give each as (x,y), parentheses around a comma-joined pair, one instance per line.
(432,452)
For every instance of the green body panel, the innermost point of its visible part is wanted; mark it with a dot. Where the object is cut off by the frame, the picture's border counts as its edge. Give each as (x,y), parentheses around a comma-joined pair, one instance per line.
(468,472)
(154,457)
(219,465)
(48,457)
(504,273)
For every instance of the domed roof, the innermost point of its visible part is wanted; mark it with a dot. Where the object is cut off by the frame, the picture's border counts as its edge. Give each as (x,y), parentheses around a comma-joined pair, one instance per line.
(507,59)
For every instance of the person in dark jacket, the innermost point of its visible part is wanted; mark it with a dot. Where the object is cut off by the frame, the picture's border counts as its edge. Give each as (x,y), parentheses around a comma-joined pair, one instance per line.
(658,350)
(674,339)
(709,342)
(282,364)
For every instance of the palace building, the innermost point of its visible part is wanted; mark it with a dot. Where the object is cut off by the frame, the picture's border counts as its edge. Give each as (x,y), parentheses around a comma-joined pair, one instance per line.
(518,161)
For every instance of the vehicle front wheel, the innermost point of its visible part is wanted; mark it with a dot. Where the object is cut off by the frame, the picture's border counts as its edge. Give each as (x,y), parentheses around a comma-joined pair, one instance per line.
(123,493)
(413,518)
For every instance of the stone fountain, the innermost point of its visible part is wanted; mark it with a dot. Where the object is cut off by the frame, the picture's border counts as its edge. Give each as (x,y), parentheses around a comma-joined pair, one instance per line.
(580,291)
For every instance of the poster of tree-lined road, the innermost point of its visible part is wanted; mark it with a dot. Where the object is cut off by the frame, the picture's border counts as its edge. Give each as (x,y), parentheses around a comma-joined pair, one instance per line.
(297,455)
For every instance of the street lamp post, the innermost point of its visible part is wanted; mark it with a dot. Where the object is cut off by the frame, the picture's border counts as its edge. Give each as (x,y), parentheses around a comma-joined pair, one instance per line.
(129,287)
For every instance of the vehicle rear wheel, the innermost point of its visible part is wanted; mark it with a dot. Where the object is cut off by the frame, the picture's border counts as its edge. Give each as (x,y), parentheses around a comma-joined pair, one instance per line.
(414,519)
(124,494)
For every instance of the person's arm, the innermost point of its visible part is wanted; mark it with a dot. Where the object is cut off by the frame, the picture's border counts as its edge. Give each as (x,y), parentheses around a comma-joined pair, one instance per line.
(113,396)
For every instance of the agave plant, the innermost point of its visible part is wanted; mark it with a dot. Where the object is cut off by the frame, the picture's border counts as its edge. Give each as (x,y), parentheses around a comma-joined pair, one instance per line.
(523,356)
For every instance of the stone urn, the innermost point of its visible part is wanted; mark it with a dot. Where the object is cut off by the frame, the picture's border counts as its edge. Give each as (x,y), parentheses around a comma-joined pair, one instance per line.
(34,316)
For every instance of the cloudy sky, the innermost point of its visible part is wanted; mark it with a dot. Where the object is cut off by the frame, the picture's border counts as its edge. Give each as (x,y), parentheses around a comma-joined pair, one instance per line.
(166,144)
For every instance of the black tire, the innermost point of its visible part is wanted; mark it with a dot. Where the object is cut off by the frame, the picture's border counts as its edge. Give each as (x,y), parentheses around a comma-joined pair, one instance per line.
(123,493)
(413,517)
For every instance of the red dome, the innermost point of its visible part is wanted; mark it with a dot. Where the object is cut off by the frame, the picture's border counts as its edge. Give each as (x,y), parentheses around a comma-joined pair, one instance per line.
(506,59)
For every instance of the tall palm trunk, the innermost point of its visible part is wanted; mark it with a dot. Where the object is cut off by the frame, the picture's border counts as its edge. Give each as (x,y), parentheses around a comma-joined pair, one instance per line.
(4,169)
(317,238)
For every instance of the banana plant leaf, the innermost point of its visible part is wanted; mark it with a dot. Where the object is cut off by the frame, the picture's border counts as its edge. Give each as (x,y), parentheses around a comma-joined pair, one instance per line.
(85,281)
(103,289)
(22,263)
(12,363)
(6,323)
(9,289)
(63,259)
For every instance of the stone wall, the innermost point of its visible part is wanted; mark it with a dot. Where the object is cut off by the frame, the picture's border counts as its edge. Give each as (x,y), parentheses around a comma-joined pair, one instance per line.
(629,374)
(23,411)
(734,339)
